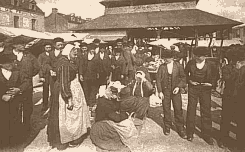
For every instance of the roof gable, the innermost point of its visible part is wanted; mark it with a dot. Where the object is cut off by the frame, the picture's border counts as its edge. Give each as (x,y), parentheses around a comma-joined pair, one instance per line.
(170,18)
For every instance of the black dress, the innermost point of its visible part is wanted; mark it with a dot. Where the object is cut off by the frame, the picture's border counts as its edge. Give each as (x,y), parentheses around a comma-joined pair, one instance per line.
(10,117)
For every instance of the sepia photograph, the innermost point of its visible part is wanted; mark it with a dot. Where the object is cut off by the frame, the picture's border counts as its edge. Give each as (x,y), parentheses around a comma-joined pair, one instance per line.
(122,75)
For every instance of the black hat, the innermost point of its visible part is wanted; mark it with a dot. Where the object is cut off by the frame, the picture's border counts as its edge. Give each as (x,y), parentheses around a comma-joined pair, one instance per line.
(125,92)
(201,51)
(167,54)
(58,39)
(119,40)
(7,58)
(96,41)
(91,46)
(83,44)
(47,43)
(18,40)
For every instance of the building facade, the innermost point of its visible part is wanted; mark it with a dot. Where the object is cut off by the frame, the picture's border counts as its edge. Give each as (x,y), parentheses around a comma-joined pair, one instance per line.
(21,14)
(57,22)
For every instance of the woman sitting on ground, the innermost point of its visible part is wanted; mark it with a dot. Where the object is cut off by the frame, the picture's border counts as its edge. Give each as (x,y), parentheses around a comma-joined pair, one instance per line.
(103,135)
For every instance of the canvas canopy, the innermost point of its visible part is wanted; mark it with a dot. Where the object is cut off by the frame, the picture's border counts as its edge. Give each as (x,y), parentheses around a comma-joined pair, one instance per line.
(215,43)
(14,32)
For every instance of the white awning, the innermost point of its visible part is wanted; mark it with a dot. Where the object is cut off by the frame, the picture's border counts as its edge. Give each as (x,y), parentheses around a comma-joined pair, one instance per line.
(167,43)
(106,35)
(13,32)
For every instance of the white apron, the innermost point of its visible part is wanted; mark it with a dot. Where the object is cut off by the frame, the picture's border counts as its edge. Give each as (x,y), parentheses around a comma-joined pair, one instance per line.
(73,124)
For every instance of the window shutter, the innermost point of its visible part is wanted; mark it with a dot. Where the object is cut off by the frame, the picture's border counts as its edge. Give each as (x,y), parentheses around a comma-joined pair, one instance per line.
(12,2)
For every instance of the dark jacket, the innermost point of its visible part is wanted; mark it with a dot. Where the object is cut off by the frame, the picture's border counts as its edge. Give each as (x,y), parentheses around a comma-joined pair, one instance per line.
(90,68)
(212,72)
(45,63)
(178,77)
(120,64)
(28,67)
(104,65)
(54,60)
(109,110)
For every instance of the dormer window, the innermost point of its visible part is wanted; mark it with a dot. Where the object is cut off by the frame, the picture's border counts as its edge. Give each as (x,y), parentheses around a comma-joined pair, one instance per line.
(32,6)
(15,2)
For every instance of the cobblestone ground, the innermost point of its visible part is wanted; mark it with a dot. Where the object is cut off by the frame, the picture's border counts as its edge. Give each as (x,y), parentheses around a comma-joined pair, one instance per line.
(151,139)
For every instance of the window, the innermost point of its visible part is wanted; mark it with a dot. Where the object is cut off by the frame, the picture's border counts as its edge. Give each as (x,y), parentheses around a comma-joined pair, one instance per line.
(16,21)
(15,2)
(33,24)
(32,6)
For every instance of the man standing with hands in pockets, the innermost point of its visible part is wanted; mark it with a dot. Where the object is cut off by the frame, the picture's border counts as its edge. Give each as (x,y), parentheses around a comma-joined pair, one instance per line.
(170,79)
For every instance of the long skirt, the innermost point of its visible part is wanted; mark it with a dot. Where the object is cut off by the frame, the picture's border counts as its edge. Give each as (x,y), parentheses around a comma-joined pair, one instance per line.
(105,137)
(65,126)
(11,127)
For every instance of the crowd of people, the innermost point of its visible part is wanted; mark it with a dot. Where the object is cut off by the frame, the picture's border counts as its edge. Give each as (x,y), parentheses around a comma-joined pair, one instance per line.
(72,74)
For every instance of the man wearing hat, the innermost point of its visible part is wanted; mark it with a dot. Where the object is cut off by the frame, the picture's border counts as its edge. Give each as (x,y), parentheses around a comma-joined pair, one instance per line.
(118,66)
(54,55)
(240,89)
(201,78)
(44,74)
(80,59)
(10,90)
(129,58)
(170,79)
(97,45)
(90,74)
(229,76)
(27,65)
(104,63)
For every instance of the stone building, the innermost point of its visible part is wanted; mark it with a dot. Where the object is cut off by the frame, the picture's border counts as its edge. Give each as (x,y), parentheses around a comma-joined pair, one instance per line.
(57,22)
(21,14)
(153,19)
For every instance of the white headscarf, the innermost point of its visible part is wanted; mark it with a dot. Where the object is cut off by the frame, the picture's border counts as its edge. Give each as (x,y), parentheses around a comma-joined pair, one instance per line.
(67,50)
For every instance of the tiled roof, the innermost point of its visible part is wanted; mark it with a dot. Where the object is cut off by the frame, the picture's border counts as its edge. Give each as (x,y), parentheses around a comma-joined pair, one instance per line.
(170,18)
(24,6)
(149,1)
(68,17)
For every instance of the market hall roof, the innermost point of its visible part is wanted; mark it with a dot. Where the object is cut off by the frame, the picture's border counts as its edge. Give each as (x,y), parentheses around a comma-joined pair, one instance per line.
(104,2)
(168,18)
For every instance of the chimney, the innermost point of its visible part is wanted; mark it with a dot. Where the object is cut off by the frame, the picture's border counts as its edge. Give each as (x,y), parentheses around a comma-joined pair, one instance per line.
(54,10)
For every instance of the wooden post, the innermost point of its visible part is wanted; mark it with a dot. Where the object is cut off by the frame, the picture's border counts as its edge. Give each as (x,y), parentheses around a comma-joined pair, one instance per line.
(159,31)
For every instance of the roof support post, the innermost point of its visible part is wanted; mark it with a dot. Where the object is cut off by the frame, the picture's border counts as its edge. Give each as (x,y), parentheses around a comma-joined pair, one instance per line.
(159,31)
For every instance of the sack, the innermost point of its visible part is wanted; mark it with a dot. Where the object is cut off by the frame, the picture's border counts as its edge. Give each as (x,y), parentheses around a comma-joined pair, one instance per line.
(220,87)
(126,129)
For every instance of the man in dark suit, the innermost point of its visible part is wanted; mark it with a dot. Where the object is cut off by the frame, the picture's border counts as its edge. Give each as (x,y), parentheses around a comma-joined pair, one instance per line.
(81,56)
(201,77)
(27,65)
(170,79)
(44,74)
(90,74)
(54,56)
(97,43)
(104,63)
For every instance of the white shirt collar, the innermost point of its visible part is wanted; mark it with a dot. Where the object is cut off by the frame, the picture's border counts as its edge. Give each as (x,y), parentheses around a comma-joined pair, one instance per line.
(170,67)
(57,52)
(47,53)
(117,57)
(90,56)
(6,73)
(18,54)
(102,54)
